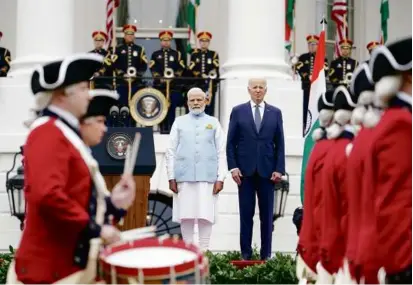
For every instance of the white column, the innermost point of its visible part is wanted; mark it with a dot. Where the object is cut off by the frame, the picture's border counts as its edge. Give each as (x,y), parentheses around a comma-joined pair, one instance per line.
(255,48)
(45,32)
(256,37)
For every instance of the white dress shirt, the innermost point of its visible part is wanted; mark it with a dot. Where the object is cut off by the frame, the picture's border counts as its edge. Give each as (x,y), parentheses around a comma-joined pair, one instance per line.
(261,107)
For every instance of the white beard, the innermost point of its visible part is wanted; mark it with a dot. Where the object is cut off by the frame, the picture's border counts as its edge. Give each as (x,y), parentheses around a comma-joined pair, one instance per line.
(197,111)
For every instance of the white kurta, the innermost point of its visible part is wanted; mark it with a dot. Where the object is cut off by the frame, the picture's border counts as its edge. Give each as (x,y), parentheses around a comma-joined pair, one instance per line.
(195,200)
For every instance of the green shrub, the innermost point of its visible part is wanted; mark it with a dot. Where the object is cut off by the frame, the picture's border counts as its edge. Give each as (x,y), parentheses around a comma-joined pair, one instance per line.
(278,270)
(5,260)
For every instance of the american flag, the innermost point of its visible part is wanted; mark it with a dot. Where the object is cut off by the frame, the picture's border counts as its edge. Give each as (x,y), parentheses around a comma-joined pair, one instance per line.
(111,5)
(339,16)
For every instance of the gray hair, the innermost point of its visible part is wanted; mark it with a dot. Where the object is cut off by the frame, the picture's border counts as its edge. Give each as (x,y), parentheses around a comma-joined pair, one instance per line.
(195,91)
(250,81)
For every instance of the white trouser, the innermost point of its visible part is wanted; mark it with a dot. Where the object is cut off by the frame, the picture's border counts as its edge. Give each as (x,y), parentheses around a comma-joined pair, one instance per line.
(204,231)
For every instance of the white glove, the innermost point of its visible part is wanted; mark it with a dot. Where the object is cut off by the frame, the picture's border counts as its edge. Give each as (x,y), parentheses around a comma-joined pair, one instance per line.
(110,234)
(303,271)
(123,194)
(294,59)
(323,277)
(347,278)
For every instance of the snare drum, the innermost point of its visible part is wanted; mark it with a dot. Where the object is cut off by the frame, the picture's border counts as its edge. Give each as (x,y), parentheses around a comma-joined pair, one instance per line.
(154,261)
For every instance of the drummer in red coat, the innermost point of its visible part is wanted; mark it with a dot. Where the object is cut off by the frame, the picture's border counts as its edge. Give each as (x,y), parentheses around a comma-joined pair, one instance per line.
(307,249)
(388,166)
(363,88)
(58,176)
(334,202)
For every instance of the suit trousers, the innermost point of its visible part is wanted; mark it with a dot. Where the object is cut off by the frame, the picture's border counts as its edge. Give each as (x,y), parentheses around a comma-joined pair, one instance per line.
(263,188)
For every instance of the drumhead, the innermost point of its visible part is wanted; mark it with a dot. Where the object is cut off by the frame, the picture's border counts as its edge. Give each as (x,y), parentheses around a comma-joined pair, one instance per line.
(151,257)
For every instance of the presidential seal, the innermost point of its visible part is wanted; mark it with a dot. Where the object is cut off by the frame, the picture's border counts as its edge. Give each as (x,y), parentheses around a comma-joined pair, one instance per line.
(117,144)
(148,107)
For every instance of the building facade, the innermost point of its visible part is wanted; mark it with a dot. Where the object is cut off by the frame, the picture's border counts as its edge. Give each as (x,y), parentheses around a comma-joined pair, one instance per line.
(249,37)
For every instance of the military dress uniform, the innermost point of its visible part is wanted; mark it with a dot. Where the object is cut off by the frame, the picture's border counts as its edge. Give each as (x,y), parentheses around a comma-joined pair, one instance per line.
(132,57)
(388,168)
(334,201)
(106,68)
(304,67)
(308,243)
(161,60)
(100,105)
(58,182)
(356,151)
(5,60)
(342,68)
(204,63)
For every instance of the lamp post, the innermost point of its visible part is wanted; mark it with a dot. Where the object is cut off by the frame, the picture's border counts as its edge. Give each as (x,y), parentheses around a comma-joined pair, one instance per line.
(282,189)
(15,193)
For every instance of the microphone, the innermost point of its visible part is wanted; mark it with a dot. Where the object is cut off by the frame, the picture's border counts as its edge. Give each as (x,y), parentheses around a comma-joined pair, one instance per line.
(124,112)
(114,115)
(124,116)
(114,112)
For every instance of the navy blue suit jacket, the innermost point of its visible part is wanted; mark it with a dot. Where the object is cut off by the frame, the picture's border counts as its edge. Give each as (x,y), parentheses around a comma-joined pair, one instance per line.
(256,151)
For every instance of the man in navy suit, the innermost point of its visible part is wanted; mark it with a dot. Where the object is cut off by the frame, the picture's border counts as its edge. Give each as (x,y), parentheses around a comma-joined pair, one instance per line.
(256,159)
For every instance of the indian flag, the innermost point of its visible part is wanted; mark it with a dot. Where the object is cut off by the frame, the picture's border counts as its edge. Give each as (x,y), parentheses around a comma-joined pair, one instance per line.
(318,87)
(192,13)
(385,15)
(289,22)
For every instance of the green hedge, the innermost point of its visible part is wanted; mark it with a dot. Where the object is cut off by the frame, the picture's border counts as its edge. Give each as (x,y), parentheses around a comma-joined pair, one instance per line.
(5,259)
(278,270)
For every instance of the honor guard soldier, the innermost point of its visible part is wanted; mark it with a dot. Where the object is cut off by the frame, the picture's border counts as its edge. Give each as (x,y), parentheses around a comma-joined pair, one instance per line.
(204,63)
(129,61)
(99,40)
(388,167)
(308,244)
(304,67)
(5,59)
(167,63)
(62,181)
(341,69)
(371,46)
(333,185)
(361,87)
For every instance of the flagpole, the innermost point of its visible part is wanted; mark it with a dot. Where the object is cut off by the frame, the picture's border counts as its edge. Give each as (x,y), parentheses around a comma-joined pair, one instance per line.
(114,15)
(294,43)
(196,25)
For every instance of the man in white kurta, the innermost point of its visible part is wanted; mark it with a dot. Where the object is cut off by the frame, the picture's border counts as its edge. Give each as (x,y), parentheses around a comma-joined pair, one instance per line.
(196,166)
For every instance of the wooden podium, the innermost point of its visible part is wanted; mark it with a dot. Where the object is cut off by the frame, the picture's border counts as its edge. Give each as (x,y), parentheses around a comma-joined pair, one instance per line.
(110,154)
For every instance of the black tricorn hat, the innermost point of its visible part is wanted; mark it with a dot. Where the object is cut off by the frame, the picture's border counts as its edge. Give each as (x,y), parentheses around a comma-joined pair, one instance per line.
(325,102)
(59,74)
(343,100)
(362,85)
(102,101)
(362,80)
(391,59)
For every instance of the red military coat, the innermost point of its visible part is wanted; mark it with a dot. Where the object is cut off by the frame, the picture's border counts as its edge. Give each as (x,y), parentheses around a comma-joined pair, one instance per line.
(310,231)
(354,176)
(389,172)
(57,183)
(334,206)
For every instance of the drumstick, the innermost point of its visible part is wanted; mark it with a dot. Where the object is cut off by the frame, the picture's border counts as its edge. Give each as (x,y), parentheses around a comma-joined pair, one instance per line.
(127,154)
(134,153)
(140,230)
